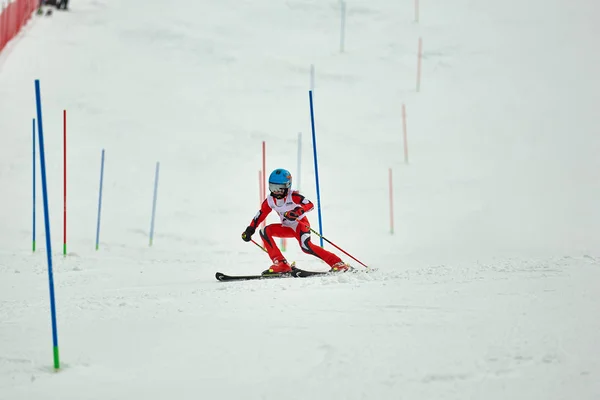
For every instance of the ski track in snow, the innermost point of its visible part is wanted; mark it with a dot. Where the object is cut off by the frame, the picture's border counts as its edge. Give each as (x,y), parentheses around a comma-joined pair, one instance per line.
(391,305)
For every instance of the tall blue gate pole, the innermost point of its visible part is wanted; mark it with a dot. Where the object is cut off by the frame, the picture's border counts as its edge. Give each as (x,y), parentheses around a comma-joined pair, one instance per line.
(314,137)
(38,100)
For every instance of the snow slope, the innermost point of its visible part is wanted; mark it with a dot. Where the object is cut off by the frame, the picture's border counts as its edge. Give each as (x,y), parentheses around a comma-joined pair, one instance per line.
(486,290)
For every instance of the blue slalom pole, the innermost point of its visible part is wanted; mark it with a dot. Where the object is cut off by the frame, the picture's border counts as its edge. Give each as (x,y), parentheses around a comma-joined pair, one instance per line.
(314,137)
(100,201)
(38,100)
(154,203)
(33,165)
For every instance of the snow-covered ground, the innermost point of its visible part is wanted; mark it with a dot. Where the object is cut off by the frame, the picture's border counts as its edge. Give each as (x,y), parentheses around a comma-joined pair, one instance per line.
(488,288)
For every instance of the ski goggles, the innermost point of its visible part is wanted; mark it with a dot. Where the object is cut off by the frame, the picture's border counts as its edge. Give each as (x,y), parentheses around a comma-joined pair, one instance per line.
(278,187)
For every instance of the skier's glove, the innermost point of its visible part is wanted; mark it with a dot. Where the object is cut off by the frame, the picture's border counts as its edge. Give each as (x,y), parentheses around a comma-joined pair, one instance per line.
(247,235)
(294,214)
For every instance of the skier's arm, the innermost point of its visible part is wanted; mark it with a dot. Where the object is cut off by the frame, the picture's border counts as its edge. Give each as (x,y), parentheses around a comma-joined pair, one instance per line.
(302,202)
(260,216)
(302,205)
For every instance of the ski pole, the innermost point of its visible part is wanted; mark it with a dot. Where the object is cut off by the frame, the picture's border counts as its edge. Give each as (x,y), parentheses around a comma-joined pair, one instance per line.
(334,245)
(262,248)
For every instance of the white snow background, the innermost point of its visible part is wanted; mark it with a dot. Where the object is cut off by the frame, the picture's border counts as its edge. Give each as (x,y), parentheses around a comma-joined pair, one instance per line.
(489,287)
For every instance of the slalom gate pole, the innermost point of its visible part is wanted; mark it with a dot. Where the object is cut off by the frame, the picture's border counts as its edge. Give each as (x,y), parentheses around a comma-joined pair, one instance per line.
(416,10)
(404,134)
(154,202)
(38,99)
(419,58)
(391,187)
(314,137)
(33,244)
(264,175)
(100,201)
(342,25)
(336,246)
(65,183)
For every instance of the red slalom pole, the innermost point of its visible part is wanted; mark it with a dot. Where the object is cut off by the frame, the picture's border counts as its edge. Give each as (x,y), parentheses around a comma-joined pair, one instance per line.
(404,134)
(65,182)
(264,174)
(334,245)
(419,57)
(416,10)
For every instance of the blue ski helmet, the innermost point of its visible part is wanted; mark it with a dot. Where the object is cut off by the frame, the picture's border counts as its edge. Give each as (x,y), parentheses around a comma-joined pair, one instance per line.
(280,181)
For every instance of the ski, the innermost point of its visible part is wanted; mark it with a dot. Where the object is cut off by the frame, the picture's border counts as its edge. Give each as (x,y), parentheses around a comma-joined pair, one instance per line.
(301,273)
(296,273)
(228,278)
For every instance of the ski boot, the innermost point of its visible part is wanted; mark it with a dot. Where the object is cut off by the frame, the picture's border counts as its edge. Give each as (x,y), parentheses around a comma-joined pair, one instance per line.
(278,267)
(340,267)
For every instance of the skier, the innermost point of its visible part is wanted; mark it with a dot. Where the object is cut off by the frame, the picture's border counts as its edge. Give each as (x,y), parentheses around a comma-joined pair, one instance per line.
(291,207)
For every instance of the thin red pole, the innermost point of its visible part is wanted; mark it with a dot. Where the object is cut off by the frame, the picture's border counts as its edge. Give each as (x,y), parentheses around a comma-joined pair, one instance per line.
(391,202)
(404,134)
(419,56)
(264,174)
(65,182)
(416,10)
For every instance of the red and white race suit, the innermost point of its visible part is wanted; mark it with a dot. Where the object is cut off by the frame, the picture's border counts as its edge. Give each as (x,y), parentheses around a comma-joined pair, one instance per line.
(298,228)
